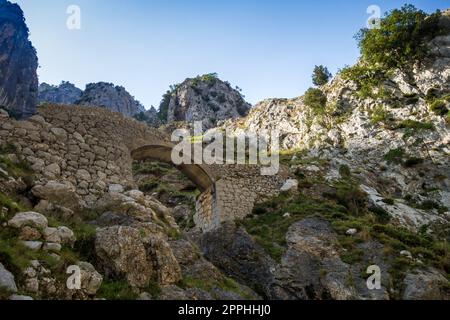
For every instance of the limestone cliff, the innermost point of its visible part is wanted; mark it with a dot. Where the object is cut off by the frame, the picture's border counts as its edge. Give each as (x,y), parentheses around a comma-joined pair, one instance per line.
(65,93)
(204,98)
(18,63)
(111,97)
(399,132)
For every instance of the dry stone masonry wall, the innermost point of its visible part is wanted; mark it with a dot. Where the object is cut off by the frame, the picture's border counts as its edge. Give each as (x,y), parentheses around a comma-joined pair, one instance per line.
(88,149)
(236,190)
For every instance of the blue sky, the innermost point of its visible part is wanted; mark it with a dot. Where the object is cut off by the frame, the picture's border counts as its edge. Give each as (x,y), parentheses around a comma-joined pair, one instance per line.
(266,47)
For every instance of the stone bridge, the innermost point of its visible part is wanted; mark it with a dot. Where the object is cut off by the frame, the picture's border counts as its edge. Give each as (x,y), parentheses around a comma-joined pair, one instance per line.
(93,148)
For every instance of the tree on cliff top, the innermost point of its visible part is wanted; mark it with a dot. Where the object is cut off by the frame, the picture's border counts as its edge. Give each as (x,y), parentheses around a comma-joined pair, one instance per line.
(321,75)
(401,39)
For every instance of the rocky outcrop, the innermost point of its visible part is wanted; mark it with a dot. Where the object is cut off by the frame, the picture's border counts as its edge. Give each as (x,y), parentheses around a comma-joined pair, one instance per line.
(66,93)
(113,98)
(18,63)
(394,134)
(106,95)
(310,269)
(235,252)
(205,98)
(133,243)
(426,285)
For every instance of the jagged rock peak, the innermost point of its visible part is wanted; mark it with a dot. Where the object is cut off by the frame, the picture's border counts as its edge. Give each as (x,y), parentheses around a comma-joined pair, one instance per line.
(111,97)
(150,117)
(65,93)
(205,98)
(18,63)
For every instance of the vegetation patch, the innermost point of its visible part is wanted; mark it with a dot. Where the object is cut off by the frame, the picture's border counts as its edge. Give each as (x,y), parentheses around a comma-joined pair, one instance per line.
(415,125)
(380,115)
(411,98)
(321,75)
(316,100)
(369,79)
(402,38)
(116,290)
(346,207)
(395,156)
(226,284)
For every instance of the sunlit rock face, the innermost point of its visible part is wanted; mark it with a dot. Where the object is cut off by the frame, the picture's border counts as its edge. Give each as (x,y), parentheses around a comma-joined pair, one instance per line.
(111,97)
(206,99)
(65,93)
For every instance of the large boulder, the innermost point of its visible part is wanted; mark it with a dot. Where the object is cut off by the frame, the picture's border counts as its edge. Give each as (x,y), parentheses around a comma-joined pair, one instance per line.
(121,251)
(58,193)
(427,284)
(140,253)
(233,250)
(91,280)
(29,219)
(311,267)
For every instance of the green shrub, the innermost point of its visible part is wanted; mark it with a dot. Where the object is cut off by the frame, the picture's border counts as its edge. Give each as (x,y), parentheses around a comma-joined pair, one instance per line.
(152,167)
(412,98)
(368,78)
(428,205)
(12,205)
(19,169)
(395,156)
(412,162)
(440,107)
(345,171)
(432,95)
(210,77)
(316,99)
(351,196)
(164,104)
(116,290)
(321,75)
(382,216)
(7,148)
(154,289)
(416,125)
(401,39)
(209,285)
(379,115)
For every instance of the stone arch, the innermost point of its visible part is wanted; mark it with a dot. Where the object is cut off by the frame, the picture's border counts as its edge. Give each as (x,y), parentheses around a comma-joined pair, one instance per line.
(198,174)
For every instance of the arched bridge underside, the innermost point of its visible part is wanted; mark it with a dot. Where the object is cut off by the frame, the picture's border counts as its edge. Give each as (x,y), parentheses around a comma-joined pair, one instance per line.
(198,174)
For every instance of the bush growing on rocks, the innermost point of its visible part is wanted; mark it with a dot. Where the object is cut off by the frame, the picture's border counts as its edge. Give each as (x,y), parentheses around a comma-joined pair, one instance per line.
(316,99)
(402,38)
(441,107)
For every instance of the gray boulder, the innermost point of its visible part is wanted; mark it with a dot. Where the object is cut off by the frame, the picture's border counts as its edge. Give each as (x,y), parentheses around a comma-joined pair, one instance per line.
(232,250)
(30,219)
(7,280)
(426,284)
